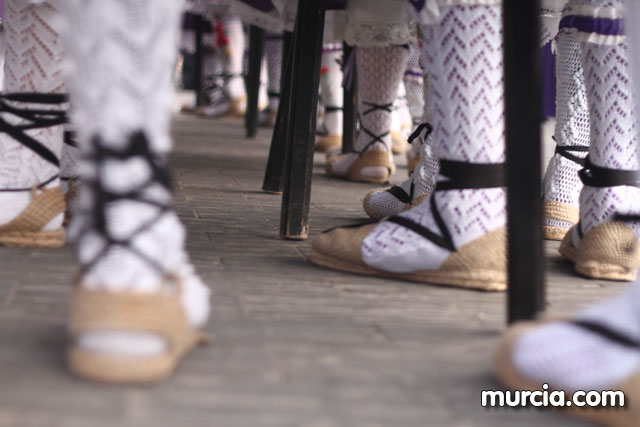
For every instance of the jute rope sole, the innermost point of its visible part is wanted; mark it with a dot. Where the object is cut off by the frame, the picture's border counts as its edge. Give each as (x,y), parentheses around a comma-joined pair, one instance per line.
(161,314)
(610,251)
(26,229)
(479,265)
(399,144)
(328,143)
(561,212)
(508,374)
(368,158)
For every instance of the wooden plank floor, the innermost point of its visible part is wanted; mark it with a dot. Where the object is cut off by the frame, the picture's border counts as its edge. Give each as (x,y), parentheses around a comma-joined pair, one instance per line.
(295,345)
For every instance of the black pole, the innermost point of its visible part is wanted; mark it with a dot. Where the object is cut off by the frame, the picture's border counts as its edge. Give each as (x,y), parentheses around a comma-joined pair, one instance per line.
(307,45)
(350,104)
(199,60)
(522,106)
(273,175)
(256,52)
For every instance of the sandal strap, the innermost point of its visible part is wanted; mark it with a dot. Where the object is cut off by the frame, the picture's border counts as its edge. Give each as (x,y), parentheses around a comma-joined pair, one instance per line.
(567,150)
(598,176)
(399,193)
(461,176)
(273,94)
(35,118)
(375,138)
(137,146)
(421,128)
(607,332)
(331,109)
(372,158)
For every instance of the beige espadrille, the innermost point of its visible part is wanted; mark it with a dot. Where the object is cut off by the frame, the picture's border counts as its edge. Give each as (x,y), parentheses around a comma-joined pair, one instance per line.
(399,144)
(368,158)
(160,313)
(237,108)
(480,264)
(328,143)
(506,371)
(561,212)
(26,229)
(608,251)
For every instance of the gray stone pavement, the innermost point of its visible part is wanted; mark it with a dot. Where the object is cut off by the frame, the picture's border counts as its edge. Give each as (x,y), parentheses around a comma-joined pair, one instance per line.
(295,345)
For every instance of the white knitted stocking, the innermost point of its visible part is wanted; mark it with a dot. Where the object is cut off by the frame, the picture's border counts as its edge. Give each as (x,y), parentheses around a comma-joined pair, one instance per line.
(561,181)
(121,56)
(32,64)
(466,88)
(331,87)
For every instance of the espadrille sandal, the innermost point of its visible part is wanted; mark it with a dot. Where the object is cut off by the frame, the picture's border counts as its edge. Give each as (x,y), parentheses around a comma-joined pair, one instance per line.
(237,108)
(506,371)
(558,212)
(47,203)
(610,250)
(480,264)
(159,313)
(399,143)
(327,142)
(366,157)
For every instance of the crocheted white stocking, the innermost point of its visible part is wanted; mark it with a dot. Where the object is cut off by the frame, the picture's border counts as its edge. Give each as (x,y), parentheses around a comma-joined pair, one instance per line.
(561,181)
(414,83)
(32,64)
(380,71)
(614,137)
(234,52)
(273,46)
(331,87)
(570,357)
(121,55)
(464,63)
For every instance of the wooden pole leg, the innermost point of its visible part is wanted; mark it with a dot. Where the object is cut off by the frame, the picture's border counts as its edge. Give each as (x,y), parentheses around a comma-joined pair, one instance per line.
(522,82)
(294,222)
(256,53)
(273,176)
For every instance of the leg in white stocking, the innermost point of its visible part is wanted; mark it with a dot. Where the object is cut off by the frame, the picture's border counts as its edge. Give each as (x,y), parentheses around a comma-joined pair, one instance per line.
(330,134)
(29,158)
(600,246)
(440,240)
(130,242)
(380,71)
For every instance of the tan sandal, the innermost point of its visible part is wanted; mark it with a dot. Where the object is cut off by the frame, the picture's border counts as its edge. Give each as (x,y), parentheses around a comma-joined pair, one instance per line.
(366,159)
(160,313)
(560,212)
(508,374)
(469,267)
(237,108)
(608,251)
(26,229)
(328,143)
(399,144)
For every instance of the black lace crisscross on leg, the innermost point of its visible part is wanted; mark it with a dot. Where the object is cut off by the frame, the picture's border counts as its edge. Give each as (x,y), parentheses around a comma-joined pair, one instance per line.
(374,138)
(34,118)
(601,177)
(567,151)
(137,147)
(460,176)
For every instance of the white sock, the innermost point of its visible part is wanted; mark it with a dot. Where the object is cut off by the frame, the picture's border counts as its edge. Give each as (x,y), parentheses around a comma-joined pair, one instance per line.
(331,84)
(273,46)
(561,181)
(121,55)
(32,64)
(469,127)
(233,49)
(380,71)
(570,357)
(414,84)
(614,137)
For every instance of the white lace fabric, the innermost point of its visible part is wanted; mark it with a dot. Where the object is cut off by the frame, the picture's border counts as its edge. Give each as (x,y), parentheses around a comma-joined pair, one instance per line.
(33,64)
(464,47)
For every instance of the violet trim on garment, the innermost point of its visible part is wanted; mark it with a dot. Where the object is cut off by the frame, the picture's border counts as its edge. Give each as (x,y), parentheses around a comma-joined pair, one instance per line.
(585,24)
